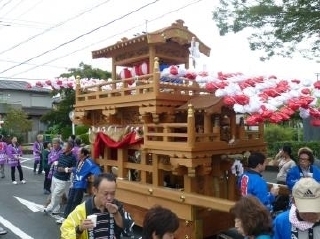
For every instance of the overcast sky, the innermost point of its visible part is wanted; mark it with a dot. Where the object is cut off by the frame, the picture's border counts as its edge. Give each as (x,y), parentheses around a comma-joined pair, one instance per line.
(40,39)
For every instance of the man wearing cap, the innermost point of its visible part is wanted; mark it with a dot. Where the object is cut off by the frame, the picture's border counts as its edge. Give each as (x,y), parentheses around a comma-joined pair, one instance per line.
(302,220)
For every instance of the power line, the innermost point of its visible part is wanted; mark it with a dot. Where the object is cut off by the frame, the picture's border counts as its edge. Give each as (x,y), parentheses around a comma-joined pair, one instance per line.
(117,34)
(5,4)
(53,27)
(21,78)
(17,24)
(22,21)
(12,8)
(33,64)
(29,9)
(80,36)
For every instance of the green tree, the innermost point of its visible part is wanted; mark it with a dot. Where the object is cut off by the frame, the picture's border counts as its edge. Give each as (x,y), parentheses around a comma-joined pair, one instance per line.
(275,133)
(16,123)
(279,27)
(58,119)
(86,71)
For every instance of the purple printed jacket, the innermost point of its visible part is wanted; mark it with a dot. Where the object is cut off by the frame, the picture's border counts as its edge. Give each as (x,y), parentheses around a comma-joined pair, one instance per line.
(14,152)
(54,155)
(37,150)
(3,153)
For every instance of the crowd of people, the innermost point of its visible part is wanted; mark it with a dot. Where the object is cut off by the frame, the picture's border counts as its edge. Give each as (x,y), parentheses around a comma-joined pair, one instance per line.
(300,216)
(67,167)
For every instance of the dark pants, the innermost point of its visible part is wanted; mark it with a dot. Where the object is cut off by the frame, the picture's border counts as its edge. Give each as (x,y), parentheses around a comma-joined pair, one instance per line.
(47,181)
(75,197)
(13,173)
(35,166)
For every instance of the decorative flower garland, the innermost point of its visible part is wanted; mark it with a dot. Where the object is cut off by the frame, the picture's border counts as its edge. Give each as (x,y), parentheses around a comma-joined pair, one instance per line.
(262,99)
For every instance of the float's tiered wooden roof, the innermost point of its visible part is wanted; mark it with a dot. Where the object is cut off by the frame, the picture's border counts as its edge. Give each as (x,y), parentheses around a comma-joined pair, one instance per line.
(165,38)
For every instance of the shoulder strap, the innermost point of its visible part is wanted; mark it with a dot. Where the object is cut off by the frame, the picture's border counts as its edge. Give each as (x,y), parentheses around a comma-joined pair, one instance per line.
(88,206)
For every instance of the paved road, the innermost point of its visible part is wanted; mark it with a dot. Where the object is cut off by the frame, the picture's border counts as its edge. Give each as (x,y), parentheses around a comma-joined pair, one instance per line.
(18,219)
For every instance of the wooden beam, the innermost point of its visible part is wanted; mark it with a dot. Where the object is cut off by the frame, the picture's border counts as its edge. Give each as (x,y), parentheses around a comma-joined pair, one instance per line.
(172,195)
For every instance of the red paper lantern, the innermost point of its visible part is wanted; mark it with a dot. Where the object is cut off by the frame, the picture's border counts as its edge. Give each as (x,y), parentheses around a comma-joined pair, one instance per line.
(125,73)
(173,70)
(135,71)
(143,68)
(191,75)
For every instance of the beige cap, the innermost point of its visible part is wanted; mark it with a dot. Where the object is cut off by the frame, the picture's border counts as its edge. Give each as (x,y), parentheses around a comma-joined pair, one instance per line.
(306,194)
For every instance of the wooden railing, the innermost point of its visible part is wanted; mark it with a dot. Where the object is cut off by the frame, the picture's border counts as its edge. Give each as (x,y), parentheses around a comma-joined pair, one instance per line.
(175,132)
(181,132)
(150,84)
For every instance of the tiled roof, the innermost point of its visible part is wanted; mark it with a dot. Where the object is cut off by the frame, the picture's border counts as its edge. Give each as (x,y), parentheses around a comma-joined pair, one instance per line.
(20,86)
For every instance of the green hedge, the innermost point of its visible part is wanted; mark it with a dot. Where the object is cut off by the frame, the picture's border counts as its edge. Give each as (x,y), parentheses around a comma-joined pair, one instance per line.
(273,148)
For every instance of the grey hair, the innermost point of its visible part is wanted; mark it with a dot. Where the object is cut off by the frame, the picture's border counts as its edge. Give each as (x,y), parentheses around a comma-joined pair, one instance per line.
(56,140)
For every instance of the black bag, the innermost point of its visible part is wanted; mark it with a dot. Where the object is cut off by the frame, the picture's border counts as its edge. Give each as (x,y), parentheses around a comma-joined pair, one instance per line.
(231,233)
(281,203)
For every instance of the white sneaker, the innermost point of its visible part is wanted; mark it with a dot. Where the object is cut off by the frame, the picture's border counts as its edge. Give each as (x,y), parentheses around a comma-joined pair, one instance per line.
(23,181)
(46,211)
(14,182)
(60,221)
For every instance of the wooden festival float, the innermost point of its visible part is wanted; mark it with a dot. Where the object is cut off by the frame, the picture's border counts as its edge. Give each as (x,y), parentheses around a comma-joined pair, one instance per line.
(169,141)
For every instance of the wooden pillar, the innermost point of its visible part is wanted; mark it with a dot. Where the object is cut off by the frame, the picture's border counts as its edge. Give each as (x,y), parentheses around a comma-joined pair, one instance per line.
(166,131)
(155,170)
(78,88)
(152,55)
(187,181)
(114,70)
(191,126)
(232,184)
(216,177)
(143,174)
(233,125)
(207,124)
(261,131)
(156,76)
(122,157)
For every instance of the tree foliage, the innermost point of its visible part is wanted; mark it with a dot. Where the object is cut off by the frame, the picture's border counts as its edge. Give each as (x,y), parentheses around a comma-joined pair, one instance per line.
(16,122)
(279,27)
(86,71)
(58,119)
